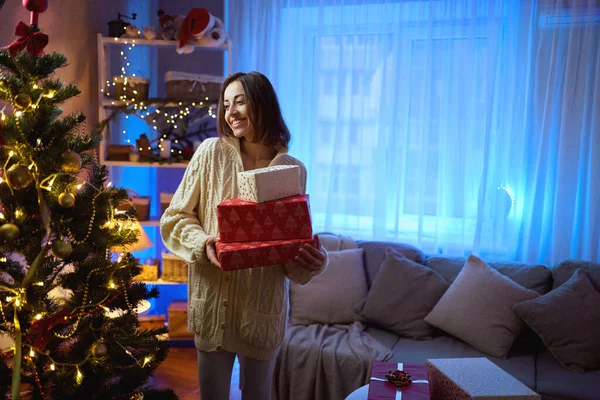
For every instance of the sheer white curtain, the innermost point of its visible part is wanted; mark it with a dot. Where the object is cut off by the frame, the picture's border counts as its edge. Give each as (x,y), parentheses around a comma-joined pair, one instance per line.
(458,126)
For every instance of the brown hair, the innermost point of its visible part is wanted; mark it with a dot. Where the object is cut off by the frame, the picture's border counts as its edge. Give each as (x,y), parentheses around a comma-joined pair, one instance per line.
(265,113)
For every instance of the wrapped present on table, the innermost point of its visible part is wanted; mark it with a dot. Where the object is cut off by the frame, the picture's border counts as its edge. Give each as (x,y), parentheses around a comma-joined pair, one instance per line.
(269,183)
(380,387)
(243,255)
(245,221)
(474,378)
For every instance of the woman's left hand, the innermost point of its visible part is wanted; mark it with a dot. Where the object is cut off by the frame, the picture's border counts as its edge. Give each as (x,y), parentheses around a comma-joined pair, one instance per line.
(310,257)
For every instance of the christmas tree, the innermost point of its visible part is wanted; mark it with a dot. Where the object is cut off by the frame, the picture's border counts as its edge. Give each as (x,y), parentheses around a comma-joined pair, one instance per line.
(67,300)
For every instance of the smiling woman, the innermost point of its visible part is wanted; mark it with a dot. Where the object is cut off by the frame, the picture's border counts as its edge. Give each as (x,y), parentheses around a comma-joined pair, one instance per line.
(243,311)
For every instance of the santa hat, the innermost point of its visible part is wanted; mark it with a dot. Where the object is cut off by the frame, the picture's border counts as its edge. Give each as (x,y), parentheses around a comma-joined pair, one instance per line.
(196,23)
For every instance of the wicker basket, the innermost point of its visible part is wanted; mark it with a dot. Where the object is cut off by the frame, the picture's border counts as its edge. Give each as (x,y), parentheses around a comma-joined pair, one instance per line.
(174,269)
(183,86)
(129,87)
(149,273)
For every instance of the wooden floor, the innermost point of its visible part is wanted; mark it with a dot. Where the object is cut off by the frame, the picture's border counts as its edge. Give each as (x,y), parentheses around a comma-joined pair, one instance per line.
(179,372)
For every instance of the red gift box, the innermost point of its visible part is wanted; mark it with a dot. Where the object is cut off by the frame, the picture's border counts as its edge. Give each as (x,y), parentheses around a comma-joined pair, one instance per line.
(245,221)
(245,255)
(386,391)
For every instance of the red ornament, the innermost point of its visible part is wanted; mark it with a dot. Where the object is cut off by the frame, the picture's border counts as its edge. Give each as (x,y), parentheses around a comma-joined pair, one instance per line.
(35,41)
(36,7)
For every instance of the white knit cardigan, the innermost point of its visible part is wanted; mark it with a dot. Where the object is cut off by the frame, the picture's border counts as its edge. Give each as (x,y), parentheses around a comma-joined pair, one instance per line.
(240,311)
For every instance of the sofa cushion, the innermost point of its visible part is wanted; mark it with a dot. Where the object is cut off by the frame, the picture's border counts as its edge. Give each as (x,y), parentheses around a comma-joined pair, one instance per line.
(375,253)
(568,321)
(401,295)
(565,270)
(521,365)
(534,277)
(477,308)
(556,382)
(334,242)
(331,296)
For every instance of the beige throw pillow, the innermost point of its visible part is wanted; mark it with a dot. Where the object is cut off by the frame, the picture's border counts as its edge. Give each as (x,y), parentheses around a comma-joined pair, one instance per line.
(402,294)
(477,308)
(330,297)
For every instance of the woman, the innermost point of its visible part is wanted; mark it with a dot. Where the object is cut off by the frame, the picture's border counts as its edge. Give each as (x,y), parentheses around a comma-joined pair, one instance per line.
(239,312)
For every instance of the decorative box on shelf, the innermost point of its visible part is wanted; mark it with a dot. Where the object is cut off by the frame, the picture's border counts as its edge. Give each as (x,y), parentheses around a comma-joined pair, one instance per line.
(474,378)
(141,205)
(165,200)
(185,86)
(178,318)
(119,152)
(129,88)
(149,322)
(174,269)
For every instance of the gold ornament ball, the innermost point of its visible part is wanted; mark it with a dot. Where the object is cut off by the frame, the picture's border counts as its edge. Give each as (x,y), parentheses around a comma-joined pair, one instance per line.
(9,232)
(22,100)
(71,162)
(99,350)
(61,248)
(66,200)
(138,396)
(18,176)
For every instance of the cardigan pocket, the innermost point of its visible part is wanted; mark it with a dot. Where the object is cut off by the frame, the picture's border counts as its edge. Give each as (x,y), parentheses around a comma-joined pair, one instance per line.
(200,320)
(261,330)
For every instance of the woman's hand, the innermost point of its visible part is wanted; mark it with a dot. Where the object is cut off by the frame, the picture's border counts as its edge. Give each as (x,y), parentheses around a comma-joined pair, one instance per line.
(211,251)
(310,257)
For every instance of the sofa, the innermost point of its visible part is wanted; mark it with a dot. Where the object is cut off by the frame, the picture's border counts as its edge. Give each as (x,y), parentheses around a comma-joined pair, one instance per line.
(346,318)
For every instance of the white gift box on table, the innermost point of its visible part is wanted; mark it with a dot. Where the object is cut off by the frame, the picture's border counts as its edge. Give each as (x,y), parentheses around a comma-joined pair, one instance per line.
(269,183)
(474,378)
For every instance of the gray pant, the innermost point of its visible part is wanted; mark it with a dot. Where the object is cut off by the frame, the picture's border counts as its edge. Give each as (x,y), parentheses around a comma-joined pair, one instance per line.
(214,376)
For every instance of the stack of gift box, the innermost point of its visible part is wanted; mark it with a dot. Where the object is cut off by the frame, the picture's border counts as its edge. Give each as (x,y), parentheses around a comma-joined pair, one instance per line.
(269,221)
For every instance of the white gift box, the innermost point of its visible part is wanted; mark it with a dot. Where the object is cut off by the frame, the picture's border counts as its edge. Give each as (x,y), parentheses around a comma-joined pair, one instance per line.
(269,183)
(473,378)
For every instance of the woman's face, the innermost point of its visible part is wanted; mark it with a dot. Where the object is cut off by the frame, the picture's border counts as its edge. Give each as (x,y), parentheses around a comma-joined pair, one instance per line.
(237,110)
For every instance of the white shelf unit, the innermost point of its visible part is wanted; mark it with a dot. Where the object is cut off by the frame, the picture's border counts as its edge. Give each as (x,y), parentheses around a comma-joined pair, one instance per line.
(106,105)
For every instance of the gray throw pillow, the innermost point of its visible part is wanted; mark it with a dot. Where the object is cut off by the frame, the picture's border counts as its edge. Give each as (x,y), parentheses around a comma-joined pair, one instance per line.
(568,321)
(477,308)
(330,297)
(402,294)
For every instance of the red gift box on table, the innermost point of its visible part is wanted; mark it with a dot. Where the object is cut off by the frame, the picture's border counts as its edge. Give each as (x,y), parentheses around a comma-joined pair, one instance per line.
(245,221)
(243,255)
(418,390)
